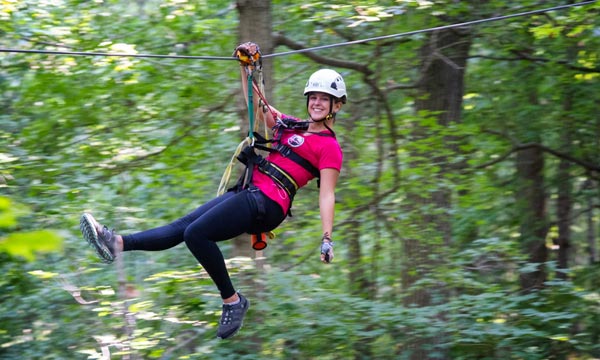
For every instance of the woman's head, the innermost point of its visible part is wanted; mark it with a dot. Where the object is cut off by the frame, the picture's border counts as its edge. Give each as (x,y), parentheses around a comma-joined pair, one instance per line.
(328,83)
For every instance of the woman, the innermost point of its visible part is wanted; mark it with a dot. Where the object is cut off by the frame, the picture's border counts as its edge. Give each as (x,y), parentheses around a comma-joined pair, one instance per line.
(256,207)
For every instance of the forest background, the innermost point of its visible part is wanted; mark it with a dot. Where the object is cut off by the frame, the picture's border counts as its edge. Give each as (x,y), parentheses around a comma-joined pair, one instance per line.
(467,213)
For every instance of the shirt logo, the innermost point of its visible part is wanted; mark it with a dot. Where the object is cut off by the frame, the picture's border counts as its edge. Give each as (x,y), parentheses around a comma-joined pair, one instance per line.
(295,141)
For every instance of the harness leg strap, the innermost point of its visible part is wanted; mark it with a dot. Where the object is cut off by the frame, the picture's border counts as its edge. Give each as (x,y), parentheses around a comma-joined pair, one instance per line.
(258,241)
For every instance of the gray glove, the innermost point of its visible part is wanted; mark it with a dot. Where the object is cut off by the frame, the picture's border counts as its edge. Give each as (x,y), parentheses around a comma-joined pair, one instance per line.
(326,250)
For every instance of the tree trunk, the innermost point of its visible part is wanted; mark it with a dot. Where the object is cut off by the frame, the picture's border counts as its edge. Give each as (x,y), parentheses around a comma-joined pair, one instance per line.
(359,283)
(591,226)
(564,202)
(255,25)
(532,201)
(564,205)
(443,62)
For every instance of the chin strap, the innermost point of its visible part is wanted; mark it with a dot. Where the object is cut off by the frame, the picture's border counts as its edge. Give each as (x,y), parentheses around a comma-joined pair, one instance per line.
(330,129)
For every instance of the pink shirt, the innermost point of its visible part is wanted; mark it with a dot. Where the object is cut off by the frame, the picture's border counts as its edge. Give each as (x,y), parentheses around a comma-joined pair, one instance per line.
(323,152)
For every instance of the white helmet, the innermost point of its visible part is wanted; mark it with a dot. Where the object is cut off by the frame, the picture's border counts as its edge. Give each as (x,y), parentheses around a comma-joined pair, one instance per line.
(327,81)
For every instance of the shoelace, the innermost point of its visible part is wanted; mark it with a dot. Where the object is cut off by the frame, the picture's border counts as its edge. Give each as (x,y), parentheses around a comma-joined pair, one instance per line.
(108,236)
(227,314)
(106,240)
(229,311)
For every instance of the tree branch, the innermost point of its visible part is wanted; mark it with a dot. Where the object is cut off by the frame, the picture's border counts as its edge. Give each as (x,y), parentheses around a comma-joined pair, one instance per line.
(280,39)
(520,56)
(518,147)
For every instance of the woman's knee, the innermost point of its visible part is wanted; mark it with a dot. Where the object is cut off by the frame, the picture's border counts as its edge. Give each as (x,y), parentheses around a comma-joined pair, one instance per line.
(191,235)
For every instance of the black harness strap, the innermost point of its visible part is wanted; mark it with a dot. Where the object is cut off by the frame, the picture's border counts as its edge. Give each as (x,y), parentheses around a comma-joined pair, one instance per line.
(287,152)
(250,158)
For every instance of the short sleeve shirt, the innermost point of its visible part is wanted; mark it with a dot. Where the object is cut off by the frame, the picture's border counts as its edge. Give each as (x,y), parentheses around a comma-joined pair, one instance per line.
(321,149)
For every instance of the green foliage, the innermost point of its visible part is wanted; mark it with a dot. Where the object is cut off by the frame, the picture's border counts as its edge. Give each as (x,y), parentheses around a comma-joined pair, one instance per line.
(142,141)
(24,243)
(27,243)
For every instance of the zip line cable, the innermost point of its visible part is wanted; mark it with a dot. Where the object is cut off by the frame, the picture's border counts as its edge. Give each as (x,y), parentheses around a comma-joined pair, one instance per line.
(84,53)
(354,42)
(437,28)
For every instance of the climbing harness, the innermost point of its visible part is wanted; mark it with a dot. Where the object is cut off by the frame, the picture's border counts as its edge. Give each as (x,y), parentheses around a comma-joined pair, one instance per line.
(249,157)
(250,58)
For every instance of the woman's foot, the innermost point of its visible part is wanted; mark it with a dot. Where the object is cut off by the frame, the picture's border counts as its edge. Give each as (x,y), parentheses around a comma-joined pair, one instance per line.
(103,240)
(232,317)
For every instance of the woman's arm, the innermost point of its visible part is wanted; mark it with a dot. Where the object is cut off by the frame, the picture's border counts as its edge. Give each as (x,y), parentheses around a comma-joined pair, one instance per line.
(329,179)
(327,209)
(267,116)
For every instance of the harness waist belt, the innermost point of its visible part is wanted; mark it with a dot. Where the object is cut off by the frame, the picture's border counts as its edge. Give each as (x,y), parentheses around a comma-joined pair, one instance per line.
(277,174)
(280,176)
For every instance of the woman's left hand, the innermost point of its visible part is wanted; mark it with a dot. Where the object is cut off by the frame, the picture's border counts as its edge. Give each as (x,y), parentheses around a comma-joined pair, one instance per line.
(327,251)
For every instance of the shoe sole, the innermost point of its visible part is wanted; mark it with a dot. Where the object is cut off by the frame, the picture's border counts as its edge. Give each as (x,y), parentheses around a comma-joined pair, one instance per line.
(90,234)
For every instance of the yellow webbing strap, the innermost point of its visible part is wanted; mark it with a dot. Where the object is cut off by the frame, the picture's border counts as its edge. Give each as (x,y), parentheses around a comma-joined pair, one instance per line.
(223,185)
(227,174)
(287,176)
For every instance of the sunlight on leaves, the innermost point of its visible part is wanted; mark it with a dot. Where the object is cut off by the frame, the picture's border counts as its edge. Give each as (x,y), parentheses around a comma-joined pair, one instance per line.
(9,212)
(44,275)
(27,244)
(546,31)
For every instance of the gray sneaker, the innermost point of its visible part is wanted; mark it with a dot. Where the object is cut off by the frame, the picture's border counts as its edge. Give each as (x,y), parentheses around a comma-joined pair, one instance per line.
(232,318)
(100,237)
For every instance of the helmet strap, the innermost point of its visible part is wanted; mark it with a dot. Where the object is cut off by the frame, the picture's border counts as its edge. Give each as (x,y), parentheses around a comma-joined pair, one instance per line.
(331,115)
(330,129)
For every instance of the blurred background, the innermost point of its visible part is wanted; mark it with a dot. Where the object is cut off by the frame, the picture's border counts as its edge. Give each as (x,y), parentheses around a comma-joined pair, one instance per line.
(467,213)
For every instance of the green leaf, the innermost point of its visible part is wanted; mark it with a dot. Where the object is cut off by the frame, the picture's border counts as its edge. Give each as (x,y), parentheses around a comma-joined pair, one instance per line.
(9,212)
(27,244)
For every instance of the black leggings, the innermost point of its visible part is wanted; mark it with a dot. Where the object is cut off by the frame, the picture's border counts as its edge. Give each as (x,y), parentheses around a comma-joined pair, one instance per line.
(223,218)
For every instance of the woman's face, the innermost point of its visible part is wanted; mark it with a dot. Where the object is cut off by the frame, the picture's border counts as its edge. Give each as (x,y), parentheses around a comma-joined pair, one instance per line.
(318,105)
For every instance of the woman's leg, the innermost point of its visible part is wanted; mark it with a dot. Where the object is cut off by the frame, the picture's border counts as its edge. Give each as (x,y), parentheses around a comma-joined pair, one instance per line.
(167,236)
(222,218)
(234,216)
(224,221)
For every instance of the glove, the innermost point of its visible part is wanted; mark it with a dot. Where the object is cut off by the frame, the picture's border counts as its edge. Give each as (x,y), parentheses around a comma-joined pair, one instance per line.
(326,250)
(248,54)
